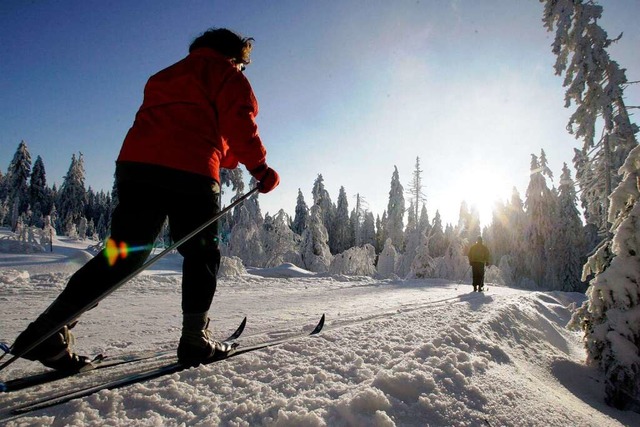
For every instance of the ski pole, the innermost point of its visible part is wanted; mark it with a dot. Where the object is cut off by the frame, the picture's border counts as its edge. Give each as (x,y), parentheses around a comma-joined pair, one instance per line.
(130,276)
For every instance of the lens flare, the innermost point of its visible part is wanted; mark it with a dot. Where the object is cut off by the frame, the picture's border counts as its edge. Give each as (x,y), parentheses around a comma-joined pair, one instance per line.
(114,251)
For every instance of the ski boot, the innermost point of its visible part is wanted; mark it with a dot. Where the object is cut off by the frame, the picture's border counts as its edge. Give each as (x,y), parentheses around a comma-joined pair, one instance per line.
(54,352)
(196,343)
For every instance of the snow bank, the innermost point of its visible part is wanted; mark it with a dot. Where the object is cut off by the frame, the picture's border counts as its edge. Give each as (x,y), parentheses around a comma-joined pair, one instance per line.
(286,270)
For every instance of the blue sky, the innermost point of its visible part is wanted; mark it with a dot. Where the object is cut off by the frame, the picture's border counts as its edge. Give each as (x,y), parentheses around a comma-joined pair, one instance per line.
(347,89)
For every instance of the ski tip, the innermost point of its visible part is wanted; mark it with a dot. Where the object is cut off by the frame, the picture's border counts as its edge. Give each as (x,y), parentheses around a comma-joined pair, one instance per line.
(319,326)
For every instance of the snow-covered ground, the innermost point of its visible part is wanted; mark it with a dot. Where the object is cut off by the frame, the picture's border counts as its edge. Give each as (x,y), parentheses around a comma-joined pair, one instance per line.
(406,353)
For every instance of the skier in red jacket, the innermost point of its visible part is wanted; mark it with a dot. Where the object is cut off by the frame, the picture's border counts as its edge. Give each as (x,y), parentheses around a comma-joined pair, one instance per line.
(197,116)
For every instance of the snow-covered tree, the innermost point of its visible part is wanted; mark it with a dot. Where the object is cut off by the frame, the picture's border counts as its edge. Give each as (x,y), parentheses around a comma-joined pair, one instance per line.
(301,216)
(611,316)
(83,225)
(321,198)
(357,218)
(567,239)
(395,212)
(368,230)
(423,221)
(595,85)
(437,244)
(17,182)
(245,240)
(315,252)
(388,261)
(416,192)
(454,264)
(39,194)
(356,261)
(341,237)
(422,265)
(72,195)
(381,233)
(281,244)
(412,237)
(540,205)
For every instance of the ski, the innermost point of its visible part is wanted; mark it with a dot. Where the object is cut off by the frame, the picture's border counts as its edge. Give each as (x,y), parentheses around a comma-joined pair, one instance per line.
(146,374)
(100,362)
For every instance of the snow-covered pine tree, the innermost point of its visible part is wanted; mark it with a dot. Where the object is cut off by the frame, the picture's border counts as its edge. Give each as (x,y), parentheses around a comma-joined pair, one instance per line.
(230,178)
(72,195)
(611,316)
(381,235)
(423,221)
(17,177)
(245,240)
(416,192)
(412,239)
(368,230)
(340,237)
(394,227)
(301,217)
(355,227)
(436,237)
(83,225)
(39,194)
(252,204)
(539,206)
(322,199)
(357,218)
(595,85)
(422,265)
(567,238)
(315,252)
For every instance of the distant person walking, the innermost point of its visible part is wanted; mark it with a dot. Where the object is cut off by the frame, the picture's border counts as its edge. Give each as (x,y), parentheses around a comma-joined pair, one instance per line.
(478,257)
(197,116)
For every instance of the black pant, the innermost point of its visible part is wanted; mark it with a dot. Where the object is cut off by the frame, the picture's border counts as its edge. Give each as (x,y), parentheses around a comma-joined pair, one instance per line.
(477,271)
(136,222)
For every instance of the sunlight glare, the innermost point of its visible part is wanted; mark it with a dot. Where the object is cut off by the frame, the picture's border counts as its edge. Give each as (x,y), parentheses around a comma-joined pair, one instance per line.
(481,186)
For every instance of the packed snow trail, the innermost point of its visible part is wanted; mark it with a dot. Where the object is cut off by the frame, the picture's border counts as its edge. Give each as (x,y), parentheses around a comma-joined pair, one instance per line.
(140,372)
(393,353)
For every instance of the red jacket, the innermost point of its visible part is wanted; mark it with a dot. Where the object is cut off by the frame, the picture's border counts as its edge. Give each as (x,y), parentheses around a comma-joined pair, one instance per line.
(197,115)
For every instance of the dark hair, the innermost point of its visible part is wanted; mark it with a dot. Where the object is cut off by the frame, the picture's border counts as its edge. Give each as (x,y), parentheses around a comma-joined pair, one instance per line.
(226,42)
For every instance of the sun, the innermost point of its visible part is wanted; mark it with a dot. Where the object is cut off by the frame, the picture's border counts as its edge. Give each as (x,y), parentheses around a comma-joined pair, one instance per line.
(481,186)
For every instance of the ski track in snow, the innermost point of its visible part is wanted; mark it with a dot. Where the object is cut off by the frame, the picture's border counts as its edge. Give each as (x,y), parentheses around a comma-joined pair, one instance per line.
(407,353)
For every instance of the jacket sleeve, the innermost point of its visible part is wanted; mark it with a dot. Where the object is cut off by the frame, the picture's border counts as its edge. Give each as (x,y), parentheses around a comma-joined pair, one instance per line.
(237,108)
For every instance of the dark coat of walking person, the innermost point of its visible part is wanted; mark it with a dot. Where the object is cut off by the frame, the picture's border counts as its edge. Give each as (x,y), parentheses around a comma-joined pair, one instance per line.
(478,257)
(197,116)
